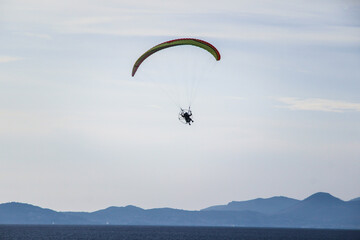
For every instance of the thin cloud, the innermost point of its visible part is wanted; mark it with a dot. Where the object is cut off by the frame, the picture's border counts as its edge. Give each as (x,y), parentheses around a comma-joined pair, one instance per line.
(236,98)
(35,35)
(270,21)
(5,59)
(154,106)
(226,29)
(319,104)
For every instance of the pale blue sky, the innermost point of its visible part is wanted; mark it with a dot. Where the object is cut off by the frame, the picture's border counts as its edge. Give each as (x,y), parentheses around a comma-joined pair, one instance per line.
(278,115)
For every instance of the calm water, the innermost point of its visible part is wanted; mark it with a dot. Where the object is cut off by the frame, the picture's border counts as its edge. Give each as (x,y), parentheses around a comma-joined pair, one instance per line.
(28,232)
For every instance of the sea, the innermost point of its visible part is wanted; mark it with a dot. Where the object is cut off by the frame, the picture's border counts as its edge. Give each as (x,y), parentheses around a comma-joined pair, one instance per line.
(58,232)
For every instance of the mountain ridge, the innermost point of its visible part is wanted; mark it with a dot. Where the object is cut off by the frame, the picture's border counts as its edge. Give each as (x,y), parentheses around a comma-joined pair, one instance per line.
(262,205)
(320,210)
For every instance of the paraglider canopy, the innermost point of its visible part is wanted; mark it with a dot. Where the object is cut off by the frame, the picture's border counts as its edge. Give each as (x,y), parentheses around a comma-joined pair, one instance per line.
(176,42)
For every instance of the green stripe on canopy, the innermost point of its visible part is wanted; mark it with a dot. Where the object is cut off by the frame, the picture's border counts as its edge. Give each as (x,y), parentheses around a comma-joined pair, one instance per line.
(177,42)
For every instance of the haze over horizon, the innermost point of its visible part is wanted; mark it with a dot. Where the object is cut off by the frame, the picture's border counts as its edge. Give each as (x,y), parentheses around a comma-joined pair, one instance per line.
(278,115)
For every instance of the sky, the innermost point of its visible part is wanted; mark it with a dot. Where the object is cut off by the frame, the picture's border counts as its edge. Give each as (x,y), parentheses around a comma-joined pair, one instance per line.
(277,115)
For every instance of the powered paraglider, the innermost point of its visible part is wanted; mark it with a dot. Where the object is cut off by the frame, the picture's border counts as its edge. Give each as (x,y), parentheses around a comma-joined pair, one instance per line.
(184,115)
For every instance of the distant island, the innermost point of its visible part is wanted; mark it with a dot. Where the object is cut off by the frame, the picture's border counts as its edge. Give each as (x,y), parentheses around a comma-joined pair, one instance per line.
(320,210)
